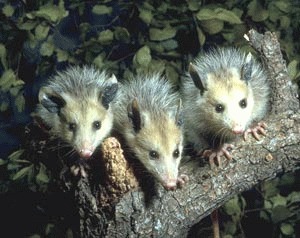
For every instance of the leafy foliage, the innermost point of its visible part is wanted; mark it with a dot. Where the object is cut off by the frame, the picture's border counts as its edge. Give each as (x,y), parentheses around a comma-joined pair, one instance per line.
(125,37)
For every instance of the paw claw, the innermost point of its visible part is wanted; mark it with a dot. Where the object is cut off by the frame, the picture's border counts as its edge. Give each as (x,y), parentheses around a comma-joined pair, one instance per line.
(256,130)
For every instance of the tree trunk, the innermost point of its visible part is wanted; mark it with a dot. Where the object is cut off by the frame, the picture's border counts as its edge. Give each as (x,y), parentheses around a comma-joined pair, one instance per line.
(123,203)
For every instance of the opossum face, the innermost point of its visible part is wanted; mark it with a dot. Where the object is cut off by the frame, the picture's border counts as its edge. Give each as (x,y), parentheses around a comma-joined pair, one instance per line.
(81,122)
(229,102)
(158,145)
(84,125)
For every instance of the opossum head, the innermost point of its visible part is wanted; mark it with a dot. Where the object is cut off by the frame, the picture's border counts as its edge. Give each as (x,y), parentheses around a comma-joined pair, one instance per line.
(156,142)
(81,122)
(226,98)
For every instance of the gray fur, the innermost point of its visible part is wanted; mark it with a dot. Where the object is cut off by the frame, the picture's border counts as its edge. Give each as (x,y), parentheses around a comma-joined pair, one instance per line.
(147,116)
(197,110)
(154,94)
(78,96)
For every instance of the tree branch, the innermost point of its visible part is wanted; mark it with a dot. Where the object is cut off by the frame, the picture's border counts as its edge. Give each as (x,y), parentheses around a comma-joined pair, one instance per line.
(121,204)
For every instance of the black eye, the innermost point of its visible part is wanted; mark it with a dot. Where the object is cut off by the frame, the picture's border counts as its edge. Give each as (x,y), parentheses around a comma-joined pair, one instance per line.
(72,126)
(243,103)
(219,108)
(153,154)
(96,125)
(176,153)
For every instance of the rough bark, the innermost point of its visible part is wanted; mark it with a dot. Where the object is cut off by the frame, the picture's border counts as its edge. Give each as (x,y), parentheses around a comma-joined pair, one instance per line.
(118,207)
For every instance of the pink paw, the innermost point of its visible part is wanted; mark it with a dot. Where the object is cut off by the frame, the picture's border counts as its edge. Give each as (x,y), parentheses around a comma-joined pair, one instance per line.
(214,156)
(182,180)
(255,131)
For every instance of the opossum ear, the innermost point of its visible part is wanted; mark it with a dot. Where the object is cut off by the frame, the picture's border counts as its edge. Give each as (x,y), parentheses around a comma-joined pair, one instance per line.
(135,115)
(198,81)
(246,70)
(109,92)
(51,100)
(179,116)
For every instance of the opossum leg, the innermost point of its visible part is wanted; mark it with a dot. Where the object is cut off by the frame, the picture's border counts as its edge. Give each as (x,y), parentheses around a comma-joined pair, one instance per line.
(215,223)
(214,155)
(256,130)
(182,180)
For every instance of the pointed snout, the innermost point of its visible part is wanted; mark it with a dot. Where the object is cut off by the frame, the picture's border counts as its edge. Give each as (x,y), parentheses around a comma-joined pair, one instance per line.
(86,153)
(86,150)
(238,129)
(170,184)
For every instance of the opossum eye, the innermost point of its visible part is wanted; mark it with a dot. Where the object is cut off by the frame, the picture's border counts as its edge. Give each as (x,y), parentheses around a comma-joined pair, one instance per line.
(96,125)
(243,103)
(72,126)
(219,108)
(153,154)
(176,153)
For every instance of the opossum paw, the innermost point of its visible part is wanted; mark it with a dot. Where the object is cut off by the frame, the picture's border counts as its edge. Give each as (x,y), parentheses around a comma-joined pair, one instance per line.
(256,130)
(182,180)
(214,156)
(79,170)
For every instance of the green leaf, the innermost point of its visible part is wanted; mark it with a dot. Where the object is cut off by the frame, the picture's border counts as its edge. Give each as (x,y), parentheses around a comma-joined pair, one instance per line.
(47,49)
(230,228)
(20,103)
(193,5)
(61,55)
(256,11)
(122,34)
(146,16)
(142,57)
(8,10)
(169,44)
(280,213)
(41,32)
(283,6)
(101,10)
(226,15)
(278,200)
(15,155)
(293,68)
(287,229)
(212,26)
(106,37)
(3,56)
(201,36)
(42,176)
(293,197)
(162,34)
(99,61)
(232,207)
(285,22)
(23,172)
(50,12)
(28,25)
(218,14)
(7,80)
(3,162)
(270,188)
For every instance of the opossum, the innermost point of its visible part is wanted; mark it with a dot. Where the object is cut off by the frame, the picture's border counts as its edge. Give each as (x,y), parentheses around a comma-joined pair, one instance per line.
(147,114)
(225,92)
(75,106)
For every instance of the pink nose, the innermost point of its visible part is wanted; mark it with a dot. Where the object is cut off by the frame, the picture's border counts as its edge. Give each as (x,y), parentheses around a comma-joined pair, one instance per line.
(85,153)
(238,129)
(170,184)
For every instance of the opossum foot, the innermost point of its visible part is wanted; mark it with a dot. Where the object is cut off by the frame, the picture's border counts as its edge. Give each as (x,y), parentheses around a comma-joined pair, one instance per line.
(182,180)
(214,156)
(256,130)
(79,170)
